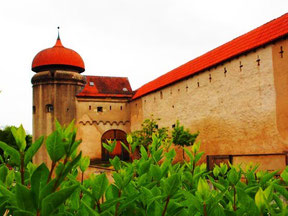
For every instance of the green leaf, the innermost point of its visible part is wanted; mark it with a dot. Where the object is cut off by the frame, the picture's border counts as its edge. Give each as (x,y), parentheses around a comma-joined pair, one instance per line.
(68,167)
(54,200)
(74,146)
(47,189)
(116,163)
(172,184)
(223,168)
(267,176)
(233,176)
(24,198)
(91,211)
(3,173)
(155,172)
(203,189)
(191,157)
(171,154)
(107,147)
(260,200)
(19,135)
(5,192)
(283,191)
(84,163)
(55,146)
(99,186)
(32,150)
(13,153)
(129,139)
(268,192)
(125,147)
(248,206)
(216,171)
(143,152)
(284,175)
(118,180)
(198,156)
(38,181)
(10,178)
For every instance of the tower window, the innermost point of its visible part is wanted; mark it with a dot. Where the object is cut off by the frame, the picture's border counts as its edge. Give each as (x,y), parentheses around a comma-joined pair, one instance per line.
(110,107)
(49,108)
(99,109)
(161,95)
(34,109)
(90,107)
(121,108)
(91,83)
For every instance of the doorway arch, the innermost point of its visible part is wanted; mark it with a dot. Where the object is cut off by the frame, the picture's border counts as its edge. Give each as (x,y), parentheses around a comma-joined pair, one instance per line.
(120,151)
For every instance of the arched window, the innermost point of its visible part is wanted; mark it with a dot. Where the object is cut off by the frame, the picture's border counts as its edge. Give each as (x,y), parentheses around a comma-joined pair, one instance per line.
(118,136)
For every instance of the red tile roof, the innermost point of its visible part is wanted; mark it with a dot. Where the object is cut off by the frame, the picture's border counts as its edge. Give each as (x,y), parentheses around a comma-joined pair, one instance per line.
(260,36)
(99,86)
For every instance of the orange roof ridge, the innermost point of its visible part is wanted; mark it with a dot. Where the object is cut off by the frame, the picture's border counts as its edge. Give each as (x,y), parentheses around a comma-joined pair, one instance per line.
(264,34)
(106,76)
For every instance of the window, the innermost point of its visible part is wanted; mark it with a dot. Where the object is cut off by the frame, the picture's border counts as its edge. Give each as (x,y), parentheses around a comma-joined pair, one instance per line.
(49,108)
(91,83)
(121,108)
(161,95)
(34,109)
(110,107)
(90,107)
(99,109)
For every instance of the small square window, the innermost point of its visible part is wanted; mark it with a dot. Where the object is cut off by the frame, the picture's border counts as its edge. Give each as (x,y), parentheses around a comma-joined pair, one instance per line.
(49,108)
(99,109)
(91,83)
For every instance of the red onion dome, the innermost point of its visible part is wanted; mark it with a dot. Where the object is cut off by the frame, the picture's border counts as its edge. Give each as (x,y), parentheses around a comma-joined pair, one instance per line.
(58,57)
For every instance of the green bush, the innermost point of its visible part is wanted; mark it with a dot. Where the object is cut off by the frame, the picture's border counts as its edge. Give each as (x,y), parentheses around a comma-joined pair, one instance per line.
(151,185)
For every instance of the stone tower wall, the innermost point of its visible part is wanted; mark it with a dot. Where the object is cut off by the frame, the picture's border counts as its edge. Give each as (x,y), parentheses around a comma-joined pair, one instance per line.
(57,88)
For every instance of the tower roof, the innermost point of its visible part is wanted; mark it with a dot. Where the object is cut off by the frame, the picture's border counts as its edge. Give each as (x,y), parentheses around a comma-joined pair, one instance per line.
(58,57)
(265,34)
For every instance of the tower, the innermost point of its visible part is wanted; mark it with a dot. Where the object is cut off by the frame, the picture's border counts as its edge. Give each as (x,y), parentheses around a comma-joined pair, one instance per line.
(57,81)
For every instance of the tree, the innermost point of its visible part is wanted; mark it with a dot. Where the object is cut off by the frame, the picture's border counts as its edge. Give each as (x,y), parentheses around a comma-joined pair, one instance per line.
(143,137)
(182,137)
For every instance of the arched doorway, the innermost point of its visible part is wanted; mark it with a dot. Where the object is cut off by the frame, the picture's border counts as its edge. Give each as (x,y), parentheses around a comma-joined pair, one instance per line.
(119,136)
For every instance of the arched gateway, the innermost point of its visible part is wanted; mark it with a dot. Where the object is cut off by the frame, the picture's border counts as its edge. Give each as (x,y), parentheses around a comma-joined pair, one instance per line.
(118,136)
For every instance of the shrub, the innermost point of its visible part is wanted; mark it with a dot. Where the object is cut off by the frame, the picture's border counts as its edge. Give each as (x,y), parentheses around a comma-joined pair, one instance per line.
(143,187)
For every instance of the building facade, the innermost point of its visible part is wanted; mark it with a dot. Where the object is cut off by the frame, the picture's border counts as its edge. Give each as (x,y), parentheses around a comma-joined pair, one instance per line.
(236,96)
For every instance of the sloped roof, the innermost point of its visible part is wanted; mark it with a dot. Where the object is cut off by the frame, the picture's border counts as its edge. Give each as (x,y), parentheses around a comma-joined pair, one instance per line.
(100,86)
(260,36)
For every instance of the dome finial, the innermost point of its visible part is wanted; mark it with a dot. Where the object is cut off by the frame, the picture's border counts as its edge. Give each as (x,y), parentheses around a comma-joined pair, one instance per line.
(58,33)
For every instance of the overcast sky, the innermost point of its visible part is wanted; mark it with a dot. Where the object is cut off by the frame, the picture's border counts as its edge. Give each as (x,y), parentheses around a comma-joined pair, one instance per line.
(138,39)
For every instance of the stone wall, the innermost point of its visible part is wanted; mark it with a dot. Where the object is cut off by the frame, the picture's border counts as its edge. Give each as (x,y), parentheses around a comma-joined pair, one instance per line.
(237,107)
(92,123)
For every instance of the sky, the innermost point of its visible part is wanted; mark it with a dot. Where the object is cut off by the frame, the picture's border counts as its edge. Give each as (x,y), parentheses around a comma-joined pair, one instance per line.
(138,39)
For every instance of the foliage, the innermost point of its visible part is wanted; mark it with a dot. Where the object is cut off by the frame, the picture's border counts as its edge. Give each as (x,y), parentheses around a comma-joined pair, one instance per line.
(183,137)
(6,136)
(151,185)
(149,127)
